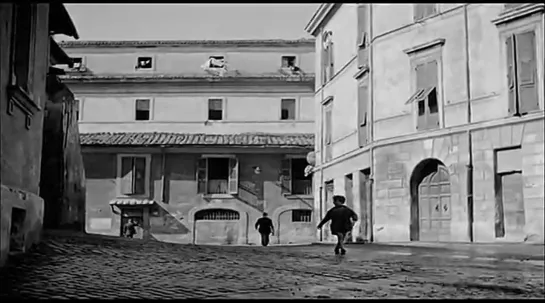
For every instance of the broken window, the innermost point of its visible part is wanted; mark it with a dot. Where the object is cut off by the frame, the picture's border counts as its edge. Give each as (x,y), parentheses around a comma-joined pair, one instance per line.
(144,63)
(301,215)
(288,109)
(217,175)
(216,62)
(522,73)
(288,61)
(133,175)
(77,63)
(215,109)
(142,110)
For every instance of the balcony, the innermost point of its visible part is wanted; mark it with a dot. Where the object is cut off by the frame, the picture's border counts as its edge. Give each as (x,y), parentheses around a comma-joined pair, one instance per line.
(218,187)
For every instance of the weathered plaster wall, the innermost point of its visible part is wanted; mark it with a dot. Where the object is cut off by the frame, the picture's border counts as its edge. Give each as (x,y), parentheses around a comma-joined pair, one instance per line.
(188,60)
(20,147)
(172,112)
(174,219)
(531,139)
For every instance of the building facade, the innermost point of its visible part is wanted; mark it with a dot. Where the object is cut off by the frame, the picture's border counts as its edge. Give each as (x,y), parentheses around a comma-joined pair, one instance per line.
(196,139)
(26,53)
(447,143)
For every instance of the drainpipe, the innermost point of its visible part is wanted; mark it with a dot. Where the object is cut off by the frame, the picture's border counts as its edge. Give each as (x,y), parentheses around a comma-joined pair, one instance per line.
(322,153)
(163,175)
(469,180)
(370,229)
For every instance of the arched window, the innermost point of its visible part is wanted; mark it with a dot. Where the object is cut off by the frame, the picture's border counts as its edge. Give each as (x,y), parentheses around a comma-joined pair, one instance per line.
(217,215)
(301,215)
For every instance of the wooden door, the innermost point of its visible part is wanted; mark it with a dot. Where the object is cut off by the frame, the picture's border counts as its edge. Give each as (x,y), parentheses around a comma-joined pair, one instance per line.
(511,211)
(434,207)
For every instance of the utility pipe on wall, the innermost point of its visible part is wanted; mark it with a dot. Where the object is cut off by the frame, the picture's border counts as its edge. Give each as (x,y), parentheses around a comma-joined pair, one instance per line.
(469,179)
(370,229)
(321,134)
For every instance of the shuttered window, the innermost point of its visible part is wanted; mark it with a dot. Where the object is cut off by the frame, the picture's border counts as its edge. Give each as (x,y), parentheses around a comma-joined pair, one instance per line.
(424,10)
(142,109)
(522,73)
(133,175)
(217,175)
(215,109)
(363,104)
(426,95)
(22,51)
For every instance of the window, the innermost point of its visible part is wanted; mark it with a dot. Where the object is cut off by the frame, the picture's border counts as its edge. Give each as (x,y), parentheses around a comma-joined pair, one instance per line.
(77,63)
(217,215)
(328,66)
(363,107)
(217,175)
(22,47)
(144,63)
(133,175)
(522,73)
(328,129)
(426,96)
(216,62)
(142,110)
(363,24)
(301,215)
(76,109)
(293,177)
(329,190)
(215,109)
(288,109)
(423,10)
(288,61)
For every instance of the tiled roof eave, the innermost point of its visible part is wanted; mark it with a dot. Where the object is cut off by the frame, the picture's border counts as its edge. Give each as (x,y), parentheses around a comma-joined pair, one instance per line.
(147,79)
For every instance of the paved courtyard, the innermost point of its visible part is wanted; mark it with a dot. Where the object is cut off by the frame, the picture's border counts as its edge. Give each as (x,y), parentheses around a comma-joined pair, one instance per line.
(68,267)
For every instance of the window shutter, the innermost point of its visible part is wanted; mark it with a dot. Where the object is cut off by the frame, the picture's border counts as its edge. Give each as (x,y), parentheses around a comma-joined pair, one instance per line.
(363,104)
(421,105)
(324,69)
(525,44)
(142,104)
(233,176)
(328,126)
(126,175)
(511,79)
(139,176)
(432,120)
(286,175)
(331,61)
(202,175)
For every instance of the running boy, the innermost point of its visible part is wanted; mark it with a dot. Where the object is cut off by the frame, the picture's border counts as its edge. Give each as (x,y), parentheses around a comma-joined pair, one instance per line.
(342,220)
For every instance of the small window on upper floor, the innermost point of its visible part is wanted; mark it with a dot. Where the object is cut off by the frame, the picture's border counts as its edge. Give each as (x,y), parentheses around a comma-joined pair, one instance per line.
(215,109)
(288,109)
(77,63)
(288,61)
(143,110)
(424,10)
(216,62)
(144,63)
(512,5)
(77,103)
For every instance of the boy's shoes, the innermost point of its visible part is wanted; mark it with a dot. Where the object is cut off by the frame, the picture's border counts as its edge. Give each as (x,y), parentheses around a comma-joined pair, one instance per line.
(343,252)
(336,251)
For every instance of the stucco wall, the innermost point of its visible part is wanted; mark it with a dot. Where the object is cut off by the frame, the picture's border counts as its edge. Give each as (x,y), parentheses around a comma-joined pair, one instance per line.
(188,60)
(173,221)
(20,147)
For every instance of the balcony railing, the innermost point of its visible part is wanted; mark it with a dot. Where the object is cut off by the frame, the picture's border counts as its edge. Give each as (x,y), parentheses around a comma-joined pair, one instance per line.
(218,187)
(301,187)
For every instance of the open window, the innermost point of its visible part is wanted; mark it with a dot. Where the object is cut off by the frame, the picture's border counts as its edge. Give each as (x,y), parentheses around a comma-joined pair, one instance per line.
(77,104)
(215,109)
(22,52)
(288,61)
(133,175)
(216,62)
(217,175)
(426,95)
(294,181)
(143,110)
(144,63)
(288,109)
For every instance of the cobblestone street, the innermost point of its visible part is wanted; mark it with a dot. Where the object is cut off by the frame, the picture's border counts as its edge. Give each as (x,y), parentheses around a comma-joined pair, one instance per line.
(105,267)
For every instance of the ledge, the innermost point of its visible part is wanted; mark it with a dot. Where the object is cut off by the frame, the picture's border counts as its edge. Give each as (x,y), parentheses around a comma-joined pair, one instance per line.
(327,100)
(362,71)
(297,197)
(22,100)
(218,196)
(519,12)
(424,46)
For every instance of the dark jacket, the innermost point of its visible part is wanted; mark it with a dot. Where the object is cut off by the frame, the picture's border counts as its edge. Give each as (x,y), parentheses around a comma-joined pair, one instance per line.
(264,225)
(129,229)
(340,219)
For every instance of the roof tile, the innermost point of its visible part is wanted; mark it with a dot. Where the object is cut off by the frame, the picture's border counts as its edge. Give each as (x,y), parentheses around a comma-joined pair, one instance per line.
(177,43)
(178,139)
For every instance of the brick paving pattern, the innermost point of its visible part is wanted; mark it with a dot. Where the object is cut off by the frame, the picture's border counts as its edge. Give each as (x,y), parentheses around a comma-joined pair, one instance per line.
(108,268)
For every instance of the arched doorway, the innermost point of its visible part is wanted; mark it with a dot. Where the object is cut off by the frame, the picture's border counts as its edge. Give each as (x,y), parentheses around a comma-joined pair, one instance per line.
(295,226)
(217,226)
(430,202)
